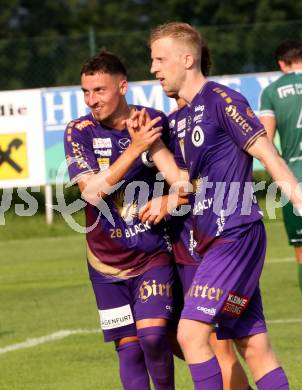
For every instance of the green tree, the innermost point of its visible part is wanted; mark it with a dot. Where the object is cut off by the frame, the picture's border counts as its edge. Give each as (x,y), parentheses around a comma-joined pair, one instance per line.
(45,43)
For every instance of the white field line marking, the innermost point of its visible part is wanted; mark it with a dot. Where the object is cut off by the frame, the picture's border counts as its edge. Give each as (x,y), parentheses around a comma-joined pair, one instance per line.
(278,260)
(61,334)
(287,321)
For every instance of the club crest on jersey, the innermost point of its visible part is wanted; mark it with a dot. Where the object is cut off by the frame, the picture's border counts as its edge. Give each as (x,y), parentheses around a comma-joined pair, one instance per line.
(125,211)
(197,136)
(250,112)
(124,143)
(147,159)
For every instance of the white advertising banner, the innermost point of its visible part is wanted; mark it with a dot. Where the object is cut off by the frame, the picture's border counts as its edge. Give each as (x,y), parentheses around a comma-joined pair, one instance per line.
(22,155)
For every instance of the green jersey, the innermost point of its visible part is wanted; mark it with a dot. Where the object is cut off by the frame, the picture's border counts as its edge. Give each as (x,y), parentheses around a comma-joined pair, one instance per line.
(283,100)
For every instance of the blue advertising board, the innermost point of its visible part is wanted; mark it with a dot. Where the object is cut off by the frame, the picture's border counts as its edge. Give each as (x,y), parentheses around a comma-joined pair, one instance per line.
(61,105)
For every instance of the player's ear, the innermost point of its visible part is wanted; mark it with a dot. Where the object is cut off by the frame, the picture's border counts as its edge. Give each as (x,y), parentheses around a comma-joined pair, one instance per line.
(282,65)
(188,60)
(123,87)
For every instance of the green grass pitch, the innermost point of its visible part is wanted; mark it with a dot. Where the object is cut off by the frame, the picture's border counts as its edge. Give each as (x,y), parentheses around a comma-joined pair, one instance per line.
(44,289)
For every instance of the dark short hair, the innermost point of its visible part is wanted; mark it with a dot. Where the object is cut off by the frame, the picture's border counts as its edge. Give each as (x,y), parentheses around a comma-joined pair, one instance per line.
(289,51)
(104,62)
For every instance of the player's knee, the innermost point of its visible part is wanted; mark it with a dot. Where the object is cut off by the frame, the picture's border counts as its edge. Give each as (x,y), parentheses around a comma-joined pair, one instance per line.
(184,339)
(188,340)
(150,344)
(254,347)
(152,339)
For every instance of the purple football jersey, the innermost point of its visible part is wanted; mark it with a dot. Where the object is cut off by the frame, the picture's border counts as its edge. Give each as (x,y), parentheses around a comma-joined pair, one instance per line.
(180,227)
(119,246)
(220,128)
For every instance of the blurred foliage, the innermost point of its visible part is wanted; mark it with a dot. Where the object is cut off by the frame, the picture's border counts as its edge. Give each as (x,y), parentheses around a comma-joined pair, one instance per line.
(44,44)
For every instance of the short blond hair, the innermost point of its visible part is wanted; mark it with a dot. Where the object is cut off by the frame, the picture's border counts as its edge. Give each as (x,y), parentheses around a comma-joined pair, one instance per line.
(180,31)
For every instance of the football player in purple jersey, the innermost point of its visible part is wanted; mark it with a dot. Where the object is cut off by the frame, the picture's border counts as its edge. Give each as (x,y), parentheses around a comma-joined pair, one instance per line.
(222,136)
(129,262)
(183,243)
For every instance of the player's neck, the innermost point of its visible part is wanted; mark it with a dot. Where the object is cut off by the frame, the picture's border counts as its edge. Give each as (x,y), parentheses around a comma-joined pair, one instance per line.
(192,85)
(293,67)
(296,66)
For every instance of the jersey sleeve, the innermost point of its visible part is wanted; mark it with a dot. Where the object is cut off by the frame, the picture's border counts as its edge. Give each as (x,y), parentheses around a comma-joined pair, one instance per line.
(236,118)
(79,153)
(266,103)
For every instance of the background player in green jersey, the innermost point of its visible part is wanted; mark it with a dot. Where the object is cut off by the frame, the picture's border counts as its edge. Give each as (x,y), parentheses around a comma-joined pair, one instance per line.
(281,110)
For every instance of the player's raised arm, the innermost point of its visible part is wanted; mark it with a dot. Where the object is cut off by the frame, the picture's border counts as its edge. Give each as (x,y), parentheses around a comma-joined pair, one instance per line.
(94,186)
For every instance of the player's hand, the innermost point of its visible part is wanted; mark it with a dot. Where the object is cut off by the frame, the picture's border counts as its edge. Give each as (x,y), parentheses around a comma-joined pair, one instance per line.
(155,210)
(143,130)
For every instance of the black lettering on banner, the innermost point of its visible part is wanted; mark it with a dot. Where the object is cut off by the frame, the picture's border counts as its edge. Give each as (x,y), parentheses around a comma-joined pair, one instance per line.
(5,155)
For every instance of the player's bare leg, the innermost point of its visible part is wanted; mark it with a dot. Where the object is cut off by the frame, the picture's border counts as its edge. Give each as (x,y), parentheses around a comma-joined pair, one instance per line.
(193,337)
(262,361)
(233,375)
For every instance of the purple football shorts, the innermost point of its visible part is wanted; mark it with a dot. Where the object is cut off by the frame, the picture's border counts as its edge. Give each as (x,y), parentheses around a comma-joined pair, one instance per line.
(225,287)
(123,303)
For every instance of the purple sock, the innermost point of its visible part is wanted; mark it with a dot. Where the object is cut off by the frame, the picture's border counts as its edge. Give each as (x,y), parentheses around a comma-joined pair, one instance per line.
(133,371)
(207,375)
(273,380)
(158,356)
